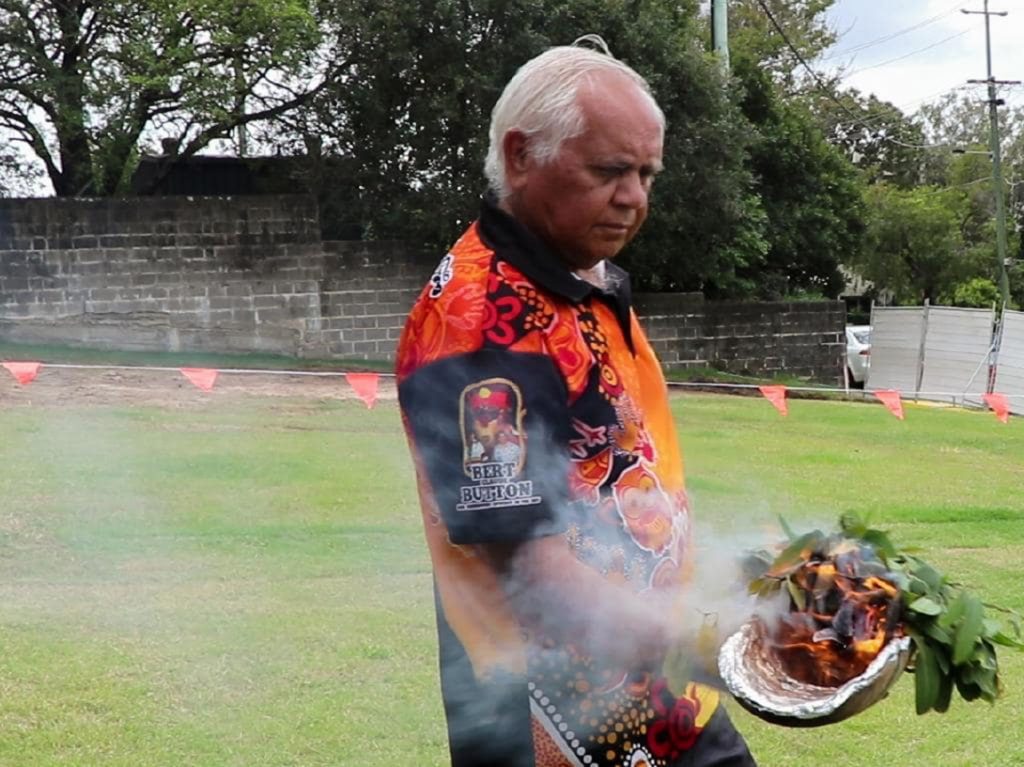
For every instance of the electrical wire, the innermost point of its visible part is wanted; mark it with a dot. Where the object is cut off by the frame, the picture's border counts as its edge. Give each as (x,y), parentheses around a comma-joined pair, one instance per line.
(908,55)
(871,118)
(825,89)
(894,35)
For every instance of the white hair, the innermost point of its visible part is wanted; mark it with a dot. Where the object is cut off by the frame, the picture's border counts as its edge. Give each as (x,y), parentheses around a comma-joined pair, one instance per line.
(541,101)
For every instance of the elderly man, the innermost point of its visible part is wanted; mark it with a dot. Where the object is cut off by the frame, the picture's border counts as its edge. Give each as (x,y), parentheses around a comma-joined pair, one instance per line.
(558,566)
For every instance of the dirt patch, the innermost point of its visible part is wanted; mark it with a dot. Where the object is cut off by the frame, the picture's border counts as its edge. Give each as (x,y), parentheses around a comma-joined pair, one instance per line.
(102,386)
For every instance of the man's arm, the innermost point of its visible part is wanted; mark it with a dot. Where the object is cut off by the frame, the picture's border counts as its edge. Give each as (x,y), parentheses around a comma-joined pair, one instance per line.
(557,595)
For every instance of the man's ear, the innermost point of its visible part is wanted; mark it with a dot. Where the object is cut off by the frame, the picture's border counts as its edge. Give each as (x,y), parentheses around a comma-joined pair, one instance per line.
(517,157)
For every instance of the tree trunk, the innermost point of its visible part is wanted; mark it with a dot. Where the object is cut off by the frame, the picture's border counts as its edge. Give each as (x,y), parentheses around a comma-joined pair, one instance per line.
(76,174)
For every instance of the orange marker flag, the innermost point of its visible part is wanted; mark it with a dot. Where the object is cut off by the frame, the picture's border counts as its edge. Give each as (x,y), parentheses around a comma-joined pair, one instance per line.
(203,378)
(777,396)
(24,372)
(999,404)
(365,385)
(891,399)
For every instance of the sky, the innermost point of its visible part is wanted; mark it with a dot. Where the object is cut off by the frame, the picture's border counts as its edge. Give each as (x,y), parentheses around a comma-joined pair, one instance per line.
(910,52)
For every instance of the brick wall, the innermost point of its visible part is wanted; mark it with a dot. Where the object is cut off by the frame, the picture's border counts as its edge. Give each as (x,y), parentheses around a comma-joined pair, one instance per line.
(251,274)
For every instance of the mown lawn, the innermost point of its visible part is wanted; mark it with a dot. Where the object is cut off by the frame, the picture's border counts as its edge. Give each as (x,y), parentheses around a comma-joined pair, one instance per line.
(246,583)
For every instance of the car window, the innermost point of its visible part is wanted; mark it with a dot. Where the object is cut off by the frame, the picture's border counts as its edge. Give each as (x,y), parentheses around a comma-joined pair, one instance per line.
(862,336)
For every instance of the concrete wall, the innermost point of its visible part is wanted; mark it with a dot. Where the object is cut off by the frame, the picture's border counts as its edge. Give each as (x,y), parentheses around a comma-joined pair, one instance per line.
(251,274)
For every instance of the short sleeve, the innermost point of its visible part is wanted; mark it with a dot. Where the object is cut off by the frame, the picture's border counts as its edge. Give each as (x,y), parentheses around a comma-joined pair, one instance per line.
(490,430)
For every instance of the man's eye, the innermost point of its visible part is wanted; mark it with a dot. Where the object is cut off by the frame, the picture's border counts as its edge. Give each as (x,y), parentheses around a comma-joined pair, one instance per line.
(610,171)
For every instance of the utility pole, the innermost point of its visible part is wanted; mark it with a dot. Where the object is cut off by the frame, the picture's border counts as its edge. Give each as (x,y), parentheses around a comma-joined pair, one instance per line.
(997,165)
(720,31)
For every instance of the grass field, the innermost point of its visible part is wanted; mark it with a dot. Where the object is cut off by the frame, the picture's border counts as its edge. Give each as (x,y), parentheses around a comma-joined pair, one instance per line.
(245,582)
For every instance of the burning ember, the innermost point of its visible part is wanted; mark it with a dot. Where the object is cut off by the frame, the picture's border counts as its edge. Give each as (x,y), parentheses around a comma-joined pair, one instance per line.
(856,612)
(837,644)
(842,612)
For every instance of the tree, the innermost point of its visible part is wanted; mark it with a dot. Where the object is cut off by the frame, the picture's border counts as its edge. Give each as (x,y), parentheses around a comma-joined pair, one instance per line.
(874,135)
(979,292)
(411,127)
(810,194)
(17,175)
(83,82)
(913,247)
(753,36)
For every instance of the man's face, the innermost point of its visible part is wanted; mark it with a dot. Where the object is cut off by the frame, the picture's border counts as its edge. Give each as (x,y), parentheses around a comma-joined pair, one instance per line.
(590,200)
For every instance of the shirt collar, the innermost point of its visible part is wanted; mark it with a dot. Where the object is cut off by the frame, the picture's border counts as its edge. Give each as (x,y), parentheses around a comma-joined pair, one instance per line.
(514,243)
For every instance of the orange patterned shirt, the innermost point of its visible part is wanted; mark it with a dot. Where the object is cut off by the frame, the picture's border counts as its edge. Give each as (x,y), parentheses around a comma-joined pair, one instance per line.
(534,406)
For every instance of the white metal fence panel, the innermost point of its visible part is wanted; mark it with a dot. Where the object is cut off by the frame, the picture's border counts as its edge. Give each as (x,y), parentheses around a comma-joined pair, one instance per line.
(1010,372)
(956,350)
(895,347)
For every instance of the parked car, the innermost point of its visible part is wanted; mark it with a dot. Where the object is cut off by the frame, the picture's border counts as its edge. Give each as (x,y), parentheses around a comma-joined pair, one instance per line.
(858,353)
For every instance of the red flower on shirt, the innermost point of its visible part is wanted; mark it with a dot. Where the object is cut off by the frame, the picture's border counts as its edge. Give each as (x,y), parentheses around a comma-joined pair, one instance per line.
(675,730)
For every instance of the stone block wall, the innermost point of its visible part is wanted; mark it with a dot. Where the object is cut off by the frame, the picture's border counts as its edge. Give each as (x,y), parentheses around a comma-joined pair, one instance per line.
(799,338)
(251,274)
(228,274)
(367,291)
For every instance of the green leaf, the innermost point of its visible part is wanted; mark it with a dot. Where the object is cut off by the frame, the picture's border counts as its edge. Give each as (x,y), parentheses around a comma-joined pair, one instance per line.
(926,606)
(968,690)
(926,679)
(852,525)
(954,612)
(917,586)
(984,680)
(793,554)
(929,575)
(945,692)
(900,580)
(969,629)
(790,534)
(985,656)
(938,633)
(797,595)
(881,542)
(1001,638)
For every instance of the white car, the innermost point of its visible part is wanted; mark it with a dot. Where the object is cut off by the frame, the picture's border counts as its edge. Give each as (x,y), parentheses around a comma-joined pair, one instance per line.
(858,353)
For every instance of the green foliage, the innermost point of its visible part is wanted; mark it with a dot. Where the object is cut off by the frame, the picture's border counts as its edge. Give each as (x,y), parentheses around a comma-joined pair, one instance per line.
(810,193)
(412,127)
(720,208)
(752,36)
(389,105)
(875,135)
(913,242)
(978,292)
(98,75)
(954,639)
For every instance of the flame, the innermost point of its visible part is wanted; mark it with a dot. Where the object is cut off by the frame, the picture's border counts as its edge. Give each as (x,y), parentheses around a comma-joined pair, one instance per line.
(839,621)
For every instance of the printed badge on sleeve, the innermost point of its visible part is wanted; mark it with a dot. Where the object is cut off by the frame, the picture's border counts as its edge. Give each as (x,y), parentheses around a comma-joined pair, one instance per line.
(493,447)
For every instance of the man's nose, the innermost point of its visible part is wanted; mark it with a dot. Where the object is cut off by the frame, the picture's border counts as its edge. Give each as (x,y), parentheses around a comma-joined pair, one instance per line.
(631,191)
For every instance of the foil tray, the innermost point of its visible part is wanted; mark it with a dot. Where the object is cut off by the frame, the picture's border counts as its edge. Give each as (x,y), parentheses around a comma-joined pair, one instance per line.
(757,680)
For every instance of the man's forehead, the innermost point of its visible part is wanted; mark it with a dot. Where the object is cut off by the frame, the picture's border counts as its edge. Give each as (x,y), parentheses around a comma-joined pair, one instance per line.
(613,92)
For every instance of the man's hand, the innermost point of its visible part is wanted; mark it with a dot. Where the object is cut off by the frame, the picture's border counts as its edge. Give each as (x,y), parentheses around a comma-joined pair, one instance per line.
(558,596)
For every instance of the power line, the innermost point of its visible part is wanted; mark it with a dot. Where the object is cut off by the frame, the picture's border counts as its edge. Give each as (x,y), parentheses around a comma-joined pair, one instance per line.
(824,88)
(908,55)
(894,35)
(871,118)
